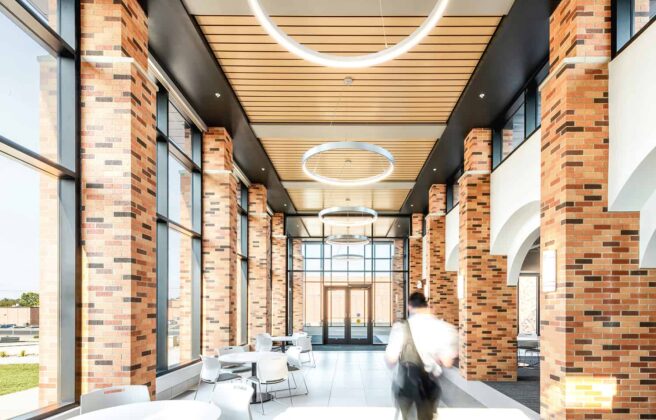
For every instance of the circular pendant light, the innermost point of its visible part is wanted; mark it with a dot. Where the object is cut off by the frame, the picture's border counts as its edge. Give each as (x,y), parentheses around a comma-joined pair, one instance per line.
(353,147)
(348,62)
(348,257)
(347,240)
(348,216)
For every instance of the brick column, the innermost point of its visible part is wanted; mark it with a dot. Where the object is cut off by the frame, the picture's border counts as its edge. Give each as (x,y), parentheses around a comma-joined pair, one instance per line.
(416,252)
(219,243)
(259,242)
(278,275)
(118,183)
(398,282)
(443,297)
(597,327)
(298,317)
(488,312)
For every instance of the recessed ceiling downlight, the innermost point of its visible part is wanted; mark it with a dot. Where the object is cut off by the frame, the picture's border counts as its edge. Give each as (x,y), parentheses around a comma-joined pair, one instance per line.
(312,161)
(352,62)
(348,216)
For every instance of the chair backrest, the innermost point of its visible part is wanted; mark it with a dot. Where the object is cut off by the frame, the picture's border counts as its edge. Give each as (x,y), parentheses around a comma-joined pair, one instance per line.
(263,342)
(234,400)
(305,343)
(294,356)
(211,369)
(111,397)
(271,369)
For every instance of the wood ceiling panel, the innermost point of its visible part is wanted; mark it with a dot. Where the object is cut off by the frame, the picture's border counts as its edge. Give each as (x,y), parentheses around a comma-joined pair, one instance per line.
(318,199)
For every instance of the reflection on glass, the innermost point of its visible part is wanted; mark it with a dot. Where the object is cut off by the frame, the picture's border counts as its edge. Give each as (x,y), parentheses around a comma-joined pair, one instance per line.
(313,303)
(179,130)
(46,10)
(644,11)
(359,313)
(336,314)
(28,92)
(180,298)
(512,133)
(179,192)
(29,288)
(528,305)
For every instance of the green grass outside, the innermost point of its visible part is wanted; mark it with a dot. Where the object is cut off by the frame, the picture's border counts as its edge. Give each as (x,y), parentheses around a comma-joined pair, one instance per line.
(14,378)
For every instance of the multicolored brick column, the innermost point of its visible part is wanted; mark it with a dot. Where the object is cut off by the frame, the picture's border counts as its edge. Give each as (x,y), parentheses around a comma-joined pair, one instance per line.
(259,263)
(398,281)
(488,311)
(118,183)
(219,243)
(278,275)
(443,299)
(298,277)
(598,326)
(416,252)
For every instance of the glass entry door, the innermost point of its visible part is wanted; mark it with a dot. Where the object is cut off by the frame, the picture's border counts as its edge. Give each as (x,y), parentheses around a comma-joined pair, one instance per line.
(347,315)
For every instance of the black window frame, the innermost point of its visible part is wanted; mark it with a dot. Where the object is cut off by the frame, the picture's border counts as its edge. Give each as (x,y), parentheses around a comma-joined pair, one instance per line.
(168,147)
(242,257)
(61,44)
(451,200)
(623,25)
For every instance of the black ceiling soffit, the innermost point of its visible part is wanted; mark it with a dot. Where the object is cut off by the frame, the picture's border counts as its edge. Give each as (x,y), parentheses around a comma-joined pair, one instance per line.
(519,47)
(178,45)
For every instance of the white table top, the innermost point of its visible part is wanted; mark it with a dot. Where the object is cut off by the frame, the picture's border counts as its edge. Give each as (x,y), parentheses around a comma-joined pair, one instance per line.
(157,410)
(248,356)
(283,338)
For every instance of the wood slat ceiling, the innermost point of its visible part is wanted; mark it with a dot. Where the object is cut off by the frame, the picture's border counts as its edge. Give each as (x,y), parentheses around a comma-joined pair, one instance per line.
(420,86)
(315,228)
(409,156)
(317,199)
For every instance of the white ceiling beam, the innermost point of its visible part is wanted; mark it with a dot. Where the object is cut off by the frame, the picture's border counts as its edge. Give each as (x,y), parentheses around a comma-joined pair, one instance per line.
(349,7)
(340,132)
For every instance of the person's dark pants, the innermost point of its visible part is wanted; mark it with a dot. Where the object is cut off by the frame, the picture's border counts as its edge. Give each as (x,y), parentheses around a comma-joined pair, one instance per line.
(425,408)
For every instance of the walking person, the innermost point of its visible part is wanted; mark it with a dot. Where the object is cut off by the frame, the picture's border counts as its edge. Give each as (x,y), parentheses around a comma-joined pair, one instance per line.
(420,348)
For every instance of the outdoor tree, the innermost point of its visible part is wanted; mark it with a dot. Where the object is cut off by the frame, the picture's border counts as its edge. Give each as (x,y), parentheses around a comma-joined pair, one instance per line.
(29,299)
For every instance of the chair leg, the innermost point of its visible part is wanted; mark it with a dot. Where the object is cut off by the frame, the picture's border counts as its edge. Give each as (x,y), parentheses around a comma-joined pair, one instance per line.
(197,388)
(261,398)
(305,384)
(289,387)
(314,363)
(293,379)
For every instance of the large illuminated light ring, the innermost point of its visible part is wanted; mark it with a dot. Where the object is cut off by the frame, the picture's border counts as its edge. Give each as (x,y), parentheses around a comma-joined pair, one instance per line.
(347,240)
(368,215)
(348,62)
(348,145)
(348,257)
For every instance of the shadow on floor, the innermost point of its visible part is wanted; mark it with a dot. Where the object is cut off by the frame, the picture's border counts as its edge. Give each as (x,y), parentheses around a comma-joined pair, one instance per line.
(525,391)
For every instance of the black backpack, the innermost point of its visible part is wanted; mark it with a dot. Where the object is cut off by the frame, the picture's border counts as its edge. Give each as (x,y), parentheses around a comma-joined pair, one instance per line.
(412,381)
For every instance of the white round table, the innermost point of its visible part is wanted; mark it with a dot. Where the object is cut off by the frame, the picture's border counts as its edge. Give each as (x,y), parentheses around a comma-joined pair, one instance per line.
(283,339)
(252,357)
(157,410)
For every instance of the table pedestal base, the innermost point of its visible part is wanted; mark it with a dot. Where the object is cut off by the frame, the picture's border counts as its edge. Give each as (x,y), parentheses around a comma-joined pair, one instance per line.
(266,396)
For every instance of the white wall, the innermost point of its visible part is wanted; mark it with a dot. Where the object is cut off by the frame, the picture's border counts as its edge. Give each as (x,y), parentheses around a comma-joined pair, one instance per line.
(515,205)
(452,240)
(632,158)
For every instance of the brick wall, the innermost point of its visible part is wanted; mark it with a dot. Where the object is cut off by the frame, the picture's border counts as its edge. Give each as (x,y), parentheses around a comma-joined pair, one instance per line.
(597,328)
(443,297)
(118,183)
(259,269)
(398,282)
(278,275)
(488,312)
(219,243)
(416,252)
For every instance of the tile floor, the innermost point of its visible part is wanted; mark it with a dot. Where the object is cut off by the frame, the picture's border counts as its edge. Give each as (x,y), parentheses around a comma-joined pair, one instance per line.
(341,379)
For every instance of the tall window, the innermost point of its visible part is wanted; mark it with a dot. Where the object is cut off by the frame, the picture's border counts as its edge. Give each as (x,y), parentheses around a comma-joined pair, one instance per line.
(242,263)
(629,18)
(178,236)
(453,189)
(38,205)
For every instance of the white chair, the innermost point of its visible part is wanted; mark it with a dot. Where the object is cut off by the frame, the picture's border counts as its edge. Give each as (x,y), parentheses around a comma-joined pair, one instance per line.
(263,342)
(111,397)
(272,371)
(305,343)
(294,364)
(298,335)
(233,367)
(234,400)
(211,373)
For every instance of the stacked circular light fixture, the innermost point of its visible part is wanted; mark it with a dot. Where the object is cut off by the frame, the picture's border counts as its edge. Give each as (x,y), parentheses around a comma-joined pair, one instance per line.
(347,240)
(342,61)
(354,147)
(348,216)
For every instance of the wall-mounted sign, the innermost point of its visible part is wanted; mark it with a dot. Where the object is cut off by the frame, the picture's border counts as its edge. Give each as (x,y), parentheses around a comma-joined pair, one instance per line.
(461,286)
(549,270)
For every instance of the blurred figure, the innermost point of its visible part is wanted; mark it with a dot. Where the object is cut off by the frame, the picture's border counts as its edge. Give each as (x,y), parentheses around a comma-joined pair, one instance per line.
(419,349)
